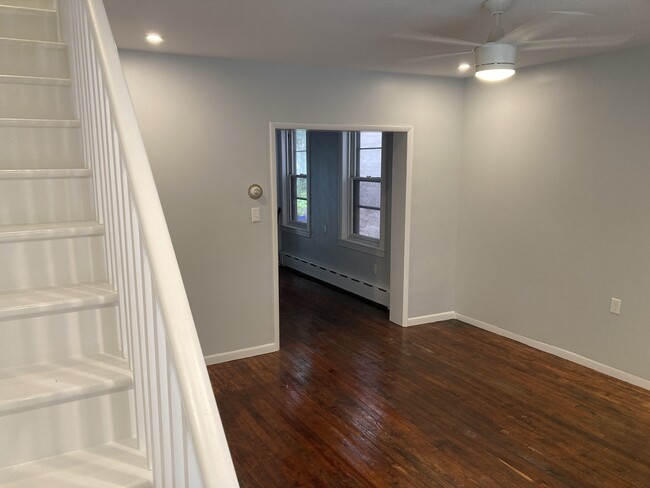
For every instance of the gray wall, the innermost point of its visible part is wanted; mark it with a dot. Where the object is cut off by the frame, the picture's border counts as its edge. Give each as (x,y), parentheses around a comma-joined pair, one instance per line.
(205,124)
(322,246)
(555,212)
(554,202)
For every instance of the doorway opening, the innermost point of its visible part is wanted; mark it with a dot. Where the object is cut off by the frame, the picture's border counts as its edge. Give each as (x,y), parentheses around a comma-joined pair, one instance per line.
(343,200)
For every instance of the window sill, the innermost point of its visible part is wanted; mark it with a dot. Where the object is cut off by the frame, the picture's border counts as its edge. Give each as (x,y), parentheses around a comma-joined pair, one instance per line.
(303,232)
(361,246)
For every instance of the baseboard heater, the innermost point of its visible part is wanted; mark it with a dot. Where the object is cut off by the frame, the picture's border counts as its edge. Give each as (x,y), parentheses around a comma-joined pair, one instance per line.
(345,281)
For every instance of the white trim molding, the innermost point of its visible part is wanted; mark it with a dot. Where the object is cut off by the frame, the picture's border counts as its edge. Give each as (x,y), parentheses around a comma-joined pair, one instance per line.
(440,317)
(562,353)
(249,352)
(429,319)
(401,179)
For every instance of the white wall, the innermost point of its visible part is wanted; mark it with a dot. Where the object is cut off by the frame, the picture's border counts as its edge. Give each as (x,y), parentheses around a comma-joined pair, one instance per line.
(205,124)
(555,207)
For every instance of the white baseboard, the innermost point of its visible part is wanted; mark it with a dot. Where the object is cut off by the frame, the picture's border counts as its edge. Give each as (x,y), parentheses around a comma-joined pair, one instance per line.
(345,281)
(241,353)
(428,319)
(556,351)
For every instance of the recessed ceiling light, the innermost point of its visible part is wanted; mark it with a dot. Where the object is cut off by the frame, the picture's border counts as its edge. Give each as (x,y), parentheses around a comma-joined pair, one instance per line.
(463,67)
(153,38)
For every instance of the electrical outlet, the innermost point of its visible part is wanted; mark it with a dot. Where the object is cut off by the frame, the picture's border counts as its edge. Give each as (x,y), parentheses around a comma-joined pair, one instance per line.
(615,306)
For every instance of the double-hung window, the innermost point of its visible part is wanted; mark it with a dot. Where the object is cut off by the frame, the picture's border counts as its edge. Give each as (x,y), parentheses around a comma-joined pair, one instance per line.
(295,169)
(364,191)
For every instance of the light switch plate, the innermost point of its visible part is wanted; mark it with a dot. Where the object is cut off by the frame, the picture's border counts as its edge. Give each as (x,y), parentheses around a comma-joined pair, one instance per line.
(255,214)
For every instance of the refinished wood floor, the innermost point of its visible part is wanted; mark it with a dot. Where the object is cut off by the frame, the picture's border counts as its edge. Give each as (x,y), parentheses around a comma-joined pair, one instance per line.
(353,400)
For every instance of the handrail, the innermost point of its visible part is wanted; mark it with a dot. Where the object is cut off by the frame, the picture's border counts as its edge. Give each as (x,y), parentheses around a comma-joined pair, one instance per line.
(201,414)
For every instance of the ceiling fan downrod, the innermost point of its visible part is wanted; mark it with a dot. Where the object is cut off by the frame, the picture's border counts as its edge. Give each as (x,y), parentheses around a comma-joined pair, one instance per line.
(496,8)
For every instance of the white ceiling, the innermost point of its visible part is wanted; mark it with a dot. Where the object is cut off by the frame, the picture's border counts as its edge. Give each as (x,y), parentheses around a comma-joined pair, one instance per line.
(358,34)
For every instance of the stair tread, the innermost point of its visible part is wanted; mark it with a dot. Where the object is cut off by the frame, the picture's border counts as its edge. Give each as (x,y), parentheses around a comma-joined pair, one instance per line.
(39,301)
(50,230)
(34,42)
(34,10)
(44,4)
(42,384)
(34,80)
(14,122)
(35,173)
(111,465)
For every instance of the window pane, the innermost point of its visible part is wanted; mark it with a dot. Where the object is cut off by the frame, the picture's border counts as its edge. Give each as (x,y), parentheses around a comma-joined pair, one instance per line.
(301,140)
(301,187)
(370,162)
(368,193)
(369,223)
(301,210)
(301,163)
(369,139)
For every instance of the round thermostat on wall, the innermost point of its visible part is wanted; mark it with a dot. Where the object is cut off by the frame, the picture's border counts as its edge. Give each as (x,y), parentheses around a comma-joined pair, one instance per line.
(255,191)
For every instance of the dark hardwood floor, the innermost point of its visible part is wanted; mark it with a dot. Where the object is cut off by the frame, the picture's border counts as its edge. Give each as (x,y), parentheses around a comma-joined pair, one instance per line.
(352,400)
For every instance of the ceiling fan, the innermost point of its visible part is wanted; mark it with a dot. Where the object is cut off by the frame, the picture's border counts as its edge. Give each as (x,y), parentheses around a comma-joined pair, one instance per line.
(495,58)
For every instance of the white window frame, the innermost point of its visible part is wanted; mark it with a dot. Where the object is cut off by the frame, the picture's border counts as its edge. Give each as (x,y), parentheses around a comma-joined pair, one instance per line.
(347,237)
(288,152)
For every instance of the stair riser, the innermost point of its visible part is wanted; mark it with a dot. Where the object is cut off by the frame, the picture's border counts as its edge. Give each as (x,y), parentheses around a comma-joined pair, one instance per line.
(40,147)
(28,24)
(45,200)
(112,465)
(30,101)
(59,336)
(29,59)
(47,4)
(55,262)
(65,427)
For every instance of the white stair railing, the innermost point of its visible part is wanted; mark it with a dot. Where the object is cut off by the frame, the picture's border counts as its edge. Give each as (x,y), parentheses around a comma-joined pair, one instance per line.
(177,421)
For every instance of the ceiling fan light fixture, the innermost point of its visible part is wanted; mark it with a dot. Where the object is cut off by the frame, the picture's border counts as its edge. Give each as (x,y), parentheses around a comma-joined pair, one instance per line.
(495,62)
(498,74)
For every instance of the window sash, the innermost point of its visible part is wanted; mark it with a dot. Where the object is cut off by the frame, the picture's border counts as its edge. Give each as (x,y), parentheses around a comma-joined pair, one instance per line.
(352,179)
(295,218)
(354,196)
(292,217)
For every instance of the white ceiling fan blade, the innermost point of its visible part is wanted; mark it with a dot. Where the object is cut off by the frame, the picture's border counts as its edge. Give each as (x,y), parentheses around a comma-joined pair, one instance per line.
(570,12)
(421,59)
(529,31)
(535,29)
(420,36)
(575,42)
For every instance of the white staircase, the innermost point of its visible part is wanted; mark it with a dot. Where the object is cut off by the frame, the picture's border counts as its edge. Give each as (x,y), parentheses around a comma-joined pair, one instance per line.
(67,407)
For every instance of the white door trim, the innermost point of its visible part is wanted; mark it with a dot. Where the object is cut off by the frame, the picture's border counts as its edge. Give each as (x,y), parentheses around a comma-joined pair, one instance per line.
(400,214)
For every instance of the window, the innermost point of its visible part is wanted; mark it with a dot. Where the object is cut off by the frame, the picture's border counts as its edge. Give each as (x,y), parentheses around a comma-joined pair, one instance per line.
(363,191)
(298,175)
(295,171)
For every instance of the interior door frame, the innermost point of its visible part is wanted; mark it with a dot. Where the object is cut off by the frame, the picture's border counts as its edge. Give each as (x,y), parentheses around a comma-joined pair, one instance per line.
(400,231)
